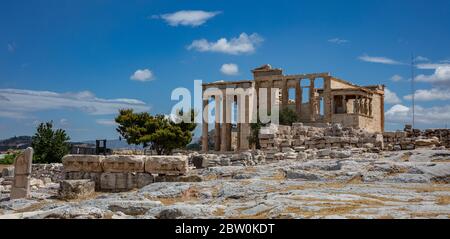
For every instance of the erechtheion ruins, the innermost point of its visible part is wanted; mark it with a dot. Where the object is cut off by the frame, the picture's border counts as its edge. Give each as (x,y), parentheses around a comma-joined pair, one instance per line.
(317,98)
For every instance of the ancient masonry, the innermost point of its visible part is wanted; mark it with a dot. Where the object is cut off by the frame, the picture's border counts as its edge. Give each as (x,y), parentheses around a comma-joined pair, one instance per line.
(22,175)
(121,172)
(319,98)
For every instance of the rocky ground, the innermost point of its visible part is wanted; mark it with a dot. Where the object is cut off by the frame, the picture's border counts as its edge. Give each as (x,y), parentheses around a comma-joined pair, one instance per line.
(402,184)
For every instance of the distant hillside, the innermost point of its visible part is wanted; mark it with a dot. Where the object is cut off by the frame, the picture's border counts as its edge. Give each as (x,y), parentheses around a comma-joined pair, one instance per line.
(116,144)
(22,142)
(16,142)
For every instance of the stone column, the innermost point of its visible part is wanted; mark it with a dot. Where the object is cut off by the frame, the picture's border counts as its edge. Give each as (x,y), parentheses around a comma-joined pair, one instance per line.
(312,100)
(269,96)
(332,105)
(366,106)
(22,175)
(238,123)
(357,105)
(230,102)
(257,99)
(205,125)
(344,103)
(327,99)
(298,98)
(284,94)
(223,145)
(370,107)
(245,126)
(217,124)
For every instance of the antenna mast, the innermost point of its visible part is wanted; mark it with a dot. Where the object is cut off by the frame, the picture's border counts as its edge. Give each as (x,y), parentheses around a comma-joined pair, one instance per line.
(413,90)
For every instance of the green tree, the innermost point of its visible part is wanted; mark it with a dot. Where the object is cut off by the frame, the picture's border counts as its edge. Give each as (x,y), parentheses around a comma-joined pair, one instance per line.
(288,116)
(49,145)
(160,132)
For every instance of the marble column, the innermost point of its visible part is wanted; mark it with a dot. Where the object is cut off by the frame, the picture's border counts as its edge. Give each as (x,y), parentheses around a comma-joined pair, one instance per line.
(357,105)
(238,123)
(298,98)
(244,131)
(344,104)
(217,123)
(205,125)
(370,107)
(230,102)
(269,96)
(312,100)
(223,144)
(284,94)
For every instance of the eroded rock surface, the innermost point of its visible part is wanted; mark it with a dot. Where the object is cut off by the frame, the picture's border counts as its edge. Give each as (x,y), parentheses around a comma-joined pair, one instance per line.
(403,184)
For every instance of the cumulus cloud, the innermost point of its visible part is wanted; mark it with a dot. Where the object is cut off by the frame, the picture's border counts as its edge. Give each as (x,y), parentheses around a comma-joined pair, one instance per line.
(229,69)
(338,41)
(434,115)
(391,97)
(106,122)
(23,102)
(396,78)
(235,46)
(430,95)
(379,59)
(191,18)
(431,66)
(142,75)
(441,75)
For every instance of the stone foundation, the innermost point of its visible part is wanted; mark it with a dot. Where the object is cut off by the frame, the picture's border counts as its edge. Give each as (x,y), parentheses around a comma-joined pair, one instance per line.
(117,173)
(415,138)
(276,139)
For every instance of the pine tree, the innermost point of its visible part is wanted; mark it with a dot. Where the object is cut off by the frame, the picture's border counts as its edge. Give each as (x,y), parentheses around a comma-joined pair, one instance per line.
(49,145)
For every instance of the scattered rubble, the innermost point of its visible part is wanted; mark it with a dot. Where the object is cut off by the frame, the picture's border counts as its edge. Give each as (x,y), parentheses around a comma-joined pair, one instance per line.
(301,172)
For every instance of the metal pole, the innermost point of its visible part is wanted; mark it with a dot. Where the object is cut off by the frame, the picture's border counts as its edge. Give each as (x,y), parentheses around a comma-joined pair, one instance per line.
(413,91)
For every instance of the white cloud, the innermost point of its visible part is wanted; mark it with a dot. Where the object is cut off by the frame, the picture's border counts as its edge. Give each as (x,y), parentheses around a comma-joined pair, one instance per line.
(430,95)
(235,46)
(106,122)
(338,41)
(142,75)
(229,69)
(431,66)
(441,75)
(379,59)
(421,58)
(192,18)
(64,122)
(391,97)
(433,115)
(396,78)
(20,103)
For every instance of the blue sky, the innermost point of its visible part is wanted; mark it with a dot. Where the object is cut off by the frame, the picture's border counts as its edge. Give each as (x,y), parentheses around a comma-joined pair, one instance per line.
(77,62)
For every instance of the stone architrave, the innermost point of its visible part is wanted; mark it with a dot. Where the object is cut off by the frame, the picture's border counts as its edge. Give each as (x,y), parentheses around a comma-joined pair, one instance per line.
(22,175)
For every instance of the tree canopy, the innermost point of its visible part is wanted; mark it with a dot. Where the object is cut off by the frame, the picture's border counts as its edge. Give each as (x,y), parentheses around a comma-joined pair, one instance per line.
(49,145)
(288,116)
(162,133)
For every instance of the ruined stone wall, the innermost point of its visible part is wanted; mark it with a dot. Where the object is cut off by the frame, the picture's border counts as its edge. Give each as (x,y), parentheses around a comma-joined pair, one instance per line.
(411,139)
(377,112)
(123,172)
(275,139)
(48,172)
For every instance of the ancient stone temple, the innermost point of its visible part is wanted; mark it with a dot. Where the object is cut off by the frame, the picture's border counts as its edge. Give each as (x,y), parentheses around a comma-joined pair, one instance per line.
(317,98)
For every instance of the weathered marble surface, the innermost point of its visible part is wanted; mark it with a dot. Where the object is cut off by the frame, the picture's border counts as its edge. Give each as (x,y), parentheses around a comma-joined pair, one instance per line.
(406,184)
